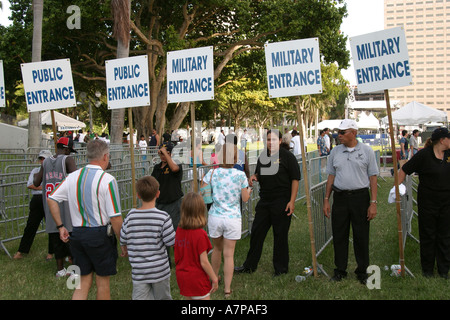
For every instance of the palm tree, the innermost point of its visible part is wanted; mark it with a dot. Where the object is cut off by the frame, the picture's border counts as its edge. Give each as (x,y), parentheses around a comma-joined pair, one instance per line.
(121,10)
(35,126)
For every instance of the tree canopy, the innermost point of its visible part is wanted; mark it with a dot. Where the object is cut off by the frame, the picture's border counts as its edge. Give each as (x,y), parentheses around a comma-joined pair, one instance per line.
(236,29)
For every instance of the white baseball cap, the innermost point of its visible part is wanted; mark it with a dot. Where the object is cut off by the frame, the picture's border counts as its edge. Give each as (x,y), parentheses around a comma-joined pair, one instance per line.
(348,124)
(45,154)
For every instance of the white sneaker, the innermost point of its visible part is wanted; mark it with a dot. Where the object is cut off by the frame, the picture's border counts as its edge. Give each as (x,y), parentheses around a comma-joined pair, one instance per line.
(72,274)
(61,273)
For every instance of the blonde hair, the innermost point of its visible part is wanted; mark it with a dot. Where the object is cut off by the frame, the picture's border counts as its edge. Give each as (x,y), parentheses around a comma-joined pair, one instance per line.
(193,212)
(228,159)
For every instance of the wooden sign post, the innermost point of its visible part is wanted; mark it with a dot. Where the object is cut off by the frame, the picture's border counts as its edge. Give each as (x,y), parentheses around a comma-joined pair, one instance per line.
(382,62)
(293,69)
(127,86)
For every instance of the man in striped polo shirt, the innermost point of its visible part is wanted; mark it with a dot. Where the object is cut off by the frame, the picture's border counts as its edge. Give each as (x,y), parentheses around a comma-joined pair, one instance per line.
(94,204)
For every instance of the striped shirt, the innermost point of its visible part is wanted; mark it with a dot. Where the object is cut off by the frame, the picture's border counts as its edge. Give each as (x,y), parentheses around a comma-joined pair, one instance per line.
(92,194)
(147,233)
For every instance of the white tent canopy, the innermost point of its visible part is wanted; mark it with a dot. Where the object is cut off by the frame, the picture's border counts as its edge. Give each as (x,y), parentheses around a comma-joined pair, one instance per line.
(330,124)
(415,113)
(63,122)
(371,104)
(368,121)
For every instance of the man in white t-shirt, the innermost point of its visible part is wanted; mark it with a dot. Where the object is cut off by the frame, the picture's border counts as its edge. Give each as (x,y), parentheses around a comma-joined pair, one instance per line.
(326,137)
(414,142)
(295,144)
(221,137)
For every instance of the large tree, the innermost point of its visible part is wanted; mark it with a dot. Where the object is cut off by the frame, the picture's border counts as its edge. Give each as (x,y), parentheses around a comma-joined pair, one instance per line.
(35,127)
(232,27)
(158,26)
(121,10)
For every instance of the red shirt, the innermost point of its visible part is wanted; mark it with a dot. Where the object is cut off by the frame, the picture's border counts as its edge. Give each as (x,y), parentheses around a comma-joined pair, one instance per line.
(191,278)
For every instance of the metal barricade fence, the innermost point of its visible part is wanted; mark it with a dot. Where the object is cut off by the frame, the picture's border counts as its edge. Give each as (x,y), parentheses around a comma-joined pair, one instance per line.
(14,204)
(321,225)
(317,170)
(407,213)
(407,208)
(15,197)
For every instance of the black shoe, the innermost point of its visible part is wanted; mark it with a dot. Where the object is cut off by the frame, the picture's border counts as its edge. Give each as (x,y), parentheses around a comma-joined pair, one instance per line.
(338,277)
(243,269)
(278,273)
(362,280)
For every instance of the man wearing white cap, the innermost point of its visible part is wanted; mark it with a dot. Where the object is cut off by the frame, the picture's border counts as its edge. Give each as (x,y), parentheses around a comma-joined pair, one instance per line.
(352,175)
(36,214)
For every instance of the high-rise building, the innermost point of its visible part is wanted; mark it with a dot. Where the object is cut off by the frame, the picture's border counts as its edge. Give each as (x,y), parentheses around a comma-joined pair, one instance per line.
(427,29)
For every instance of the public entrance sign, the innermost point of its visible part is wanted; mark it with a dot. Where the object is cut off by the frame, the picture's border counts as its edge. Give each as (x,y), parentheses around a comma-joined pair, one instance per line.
(127,82)
(48,85)
(190,75)
(293,68)
(381,60)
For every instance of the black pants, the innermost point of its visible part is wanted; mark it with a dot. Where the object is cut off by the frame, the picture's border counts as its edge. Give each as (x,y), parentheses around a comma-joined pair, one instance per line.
(350,210)
(434,232)
(35,217)
(270,214)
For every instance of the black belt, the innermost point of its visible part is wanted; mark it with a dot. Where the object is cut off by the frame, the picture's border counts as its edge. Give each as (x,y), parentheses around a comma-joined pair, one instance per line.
(349,192)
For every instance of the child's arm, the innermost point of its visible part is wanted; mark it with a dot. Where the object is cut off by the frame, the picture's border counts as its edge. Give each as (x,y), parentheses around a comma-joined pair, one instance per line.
(209,270)
(124,250)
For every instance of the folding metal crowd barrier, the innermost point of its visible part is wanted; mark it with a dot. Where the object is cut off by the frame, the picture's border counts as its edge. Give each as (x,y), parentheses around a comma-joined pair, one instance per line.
(15,197)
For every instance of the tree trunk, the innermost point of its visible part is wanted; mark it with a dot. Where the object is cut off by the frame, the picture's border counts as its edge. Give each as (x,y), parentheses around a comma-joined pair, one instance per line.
(160,114)
(123,51)
(34,121)
(179,115)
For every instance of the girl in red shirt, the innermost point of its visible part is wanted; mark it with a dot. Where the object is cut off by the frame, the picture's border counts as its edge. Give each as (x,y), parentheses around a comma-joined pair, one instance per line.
(195,276)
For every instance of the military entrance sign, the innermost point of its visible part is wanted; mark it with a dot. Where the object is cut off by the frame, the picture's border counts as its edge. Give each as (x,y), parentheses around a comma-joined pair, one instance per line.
(293,68)
(381,60)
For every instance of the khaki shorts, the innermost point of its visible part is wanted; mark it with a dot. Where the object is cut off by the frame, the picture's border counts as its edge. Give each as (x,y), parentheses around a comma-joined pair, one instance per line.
(152,291)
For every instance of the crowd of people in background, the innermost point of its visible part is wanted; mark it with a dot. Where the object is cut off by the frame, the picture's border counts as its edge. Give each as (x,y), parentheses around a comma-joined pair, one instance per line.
(86,226)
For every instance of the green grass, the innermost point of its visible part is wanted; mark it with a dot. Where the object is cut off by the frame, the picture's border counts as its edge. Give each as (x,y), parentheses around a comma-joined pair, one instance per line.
(33,277)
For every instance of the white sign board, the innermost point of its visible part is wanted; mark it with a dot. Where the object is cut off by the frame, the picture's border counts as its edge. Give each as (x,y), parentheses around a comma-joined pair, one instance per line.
(190,75)
(2,86)
(127,82)
(381,60)
(293,68)
(48,85)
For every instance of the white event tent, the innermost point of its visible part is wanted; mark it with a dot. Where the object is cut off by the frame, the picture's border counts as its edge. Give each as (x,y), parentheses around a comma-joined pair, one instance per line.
(415,113)
(331,124)
(368,122)
(63,122)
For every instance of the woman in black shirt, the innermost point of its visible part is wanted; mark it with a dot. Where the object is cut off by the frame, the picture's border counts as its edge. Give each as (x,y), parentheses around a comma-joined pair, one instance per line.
(432,163)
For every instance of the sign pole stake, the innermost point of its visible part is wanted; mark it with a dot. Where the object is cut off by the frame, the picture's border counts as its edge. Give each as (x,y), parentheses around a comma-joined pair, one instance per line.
(55,139)
(133,171)
(397,193)
(194,150)
(307,191)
